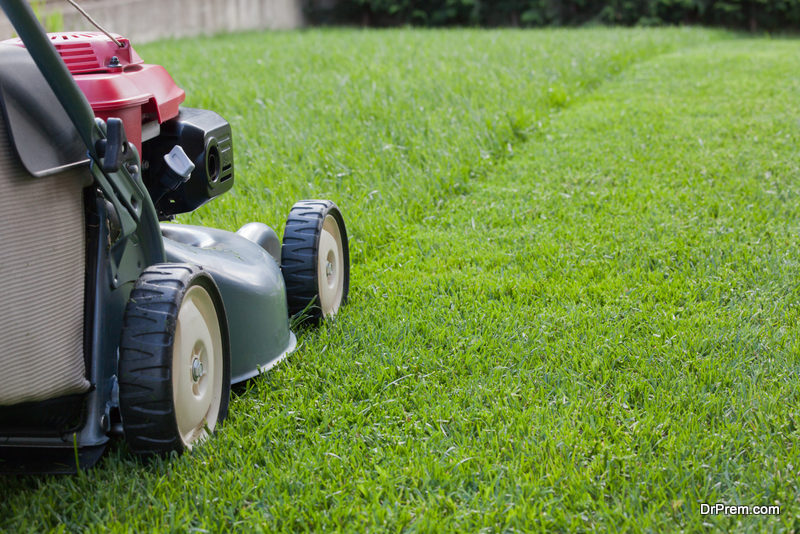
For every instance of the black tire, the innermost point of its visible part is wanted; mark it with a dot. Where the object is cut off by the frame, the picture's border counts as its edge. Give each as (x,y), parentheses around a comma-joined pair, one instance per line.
(309,289)
(173,307)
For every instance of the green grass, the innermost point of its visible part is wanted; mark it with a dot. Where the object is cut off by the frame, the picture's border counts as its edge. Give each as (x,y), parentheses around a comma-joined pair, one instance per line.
(574,299)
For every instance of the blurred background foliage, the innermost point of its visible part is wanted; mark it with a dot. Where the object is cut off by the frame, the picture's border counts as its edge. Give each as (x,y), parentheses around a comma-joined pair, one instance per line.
(753,15)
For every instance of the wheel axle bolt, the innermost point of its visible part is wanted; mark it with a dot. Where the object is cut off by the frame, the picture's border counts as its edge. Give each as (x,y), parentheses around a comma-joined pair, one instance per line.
(329,269)
(197,370)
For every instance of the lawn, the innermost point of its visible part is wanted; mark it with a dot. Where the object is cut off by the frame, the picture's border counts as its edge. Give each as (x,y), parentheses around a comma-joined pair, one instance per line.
(574,299)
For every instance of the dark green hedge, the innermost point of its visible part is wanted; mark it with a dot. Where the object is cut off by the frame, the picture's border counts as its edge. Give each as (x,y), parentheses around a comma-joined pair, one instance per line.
(749,14)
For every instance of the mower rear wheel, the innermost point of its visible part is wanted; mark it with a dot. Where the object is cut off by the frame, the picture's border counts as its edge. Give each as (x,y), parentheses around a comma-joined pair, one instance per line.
(174,365)
(315,259)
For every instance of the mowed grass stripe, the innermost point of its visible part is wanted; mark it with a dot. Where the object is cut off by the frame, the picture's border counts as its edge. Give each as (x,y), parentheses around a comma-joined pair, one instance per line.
(639,259)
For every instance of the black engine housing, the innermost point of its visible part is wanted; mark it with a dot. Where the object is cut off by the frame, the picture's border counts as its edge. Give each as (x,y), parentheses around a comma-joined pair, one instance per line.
(207,140)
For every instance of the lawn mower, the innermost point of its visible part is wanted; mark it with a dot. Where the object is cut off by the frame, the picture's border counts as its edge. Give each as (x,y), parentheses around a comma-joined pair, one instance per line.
(114,319)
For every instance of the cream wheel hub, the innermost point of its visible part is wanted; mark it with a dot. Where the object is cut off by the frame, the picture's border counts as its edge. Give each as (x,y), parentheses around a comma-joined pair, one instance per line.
(330,268)
(197,371)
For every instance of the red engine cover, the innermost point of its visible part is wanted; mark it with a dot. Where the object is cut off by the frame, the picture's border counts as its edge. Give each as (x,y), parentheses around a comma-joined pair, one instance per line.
(124,87)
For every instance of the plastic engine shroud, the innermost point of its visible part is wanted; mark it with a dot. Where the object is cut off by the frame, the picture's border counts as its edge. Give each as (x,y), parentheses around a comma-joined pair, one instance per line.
(116,81)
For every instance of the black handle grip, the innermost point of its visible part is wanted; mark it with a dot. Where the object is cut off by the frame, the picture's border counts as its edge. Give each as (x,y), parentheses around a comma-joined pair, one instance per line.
(114,147)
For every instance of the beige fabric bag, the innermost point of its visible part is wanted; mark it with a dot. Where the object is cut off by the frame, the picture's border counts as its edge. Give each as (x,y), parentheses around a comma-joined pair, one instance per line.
(42,277)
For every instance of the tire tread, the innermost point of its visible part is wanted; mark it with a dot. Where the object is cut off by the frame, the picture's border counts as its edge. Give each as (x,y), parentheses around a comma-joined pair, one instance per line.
(299,255)
(145,362)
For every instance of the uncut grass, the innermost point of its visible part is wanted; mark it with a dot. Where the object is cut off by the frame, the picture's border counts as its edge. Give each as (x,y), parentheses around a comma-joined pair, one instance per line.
(593,330)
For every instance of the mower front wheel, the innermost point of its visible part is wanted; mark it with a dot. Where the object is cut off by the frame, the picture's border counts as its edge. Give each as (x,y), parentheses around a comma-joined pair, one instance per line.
(315,259)
(174,364)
